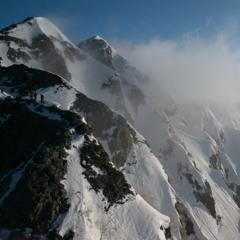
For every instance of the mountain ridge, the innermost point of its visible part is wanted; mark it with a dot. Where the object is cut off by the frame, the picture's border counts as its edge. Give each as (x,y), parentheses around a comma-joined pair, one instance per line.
(32,74)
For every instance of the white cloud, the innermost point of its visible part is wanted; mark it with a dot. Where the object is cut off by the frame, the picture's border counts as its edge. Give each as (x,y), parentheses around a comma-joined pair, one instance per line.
(192,68)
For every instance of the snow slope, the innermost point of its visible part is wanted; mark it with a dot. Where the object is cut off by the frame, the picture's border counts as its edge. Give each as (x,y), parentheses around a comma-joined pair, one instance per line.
(135,219)
(197,145)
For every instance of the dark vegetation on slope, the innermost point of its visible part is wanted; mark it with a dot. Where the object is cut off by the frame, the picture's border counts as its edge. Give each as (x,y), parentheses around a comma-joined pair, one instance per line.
(35,145)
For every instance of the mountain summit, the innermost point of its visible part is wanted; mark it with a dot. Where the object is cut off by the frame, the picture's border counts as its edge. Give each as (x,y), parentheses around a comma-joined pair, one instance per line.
(99,49)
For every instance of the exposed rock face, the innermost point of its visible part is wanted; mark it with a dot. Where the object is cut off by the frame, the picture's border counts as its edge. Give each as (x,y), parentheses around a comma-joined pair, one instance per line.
(7,29)
(22,79)
(114,86)
(187,225)
(51,60)
(202,193)
(33,145)
(234,187)
(135,96)
(102,119)
(42,50)
(111,181)
(98,49)
(215,162)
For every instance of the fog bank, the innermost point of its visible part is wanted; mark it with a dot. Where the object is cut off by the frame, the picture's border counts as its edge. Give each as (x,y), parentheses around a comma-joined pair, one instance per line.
(191,69)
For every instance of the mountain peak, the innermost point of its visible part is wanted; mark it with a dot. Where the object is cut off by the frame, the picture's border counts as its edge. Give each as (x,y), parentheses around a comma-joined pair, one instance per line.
(99,49)
(32,27)
(98,38)
(95,42)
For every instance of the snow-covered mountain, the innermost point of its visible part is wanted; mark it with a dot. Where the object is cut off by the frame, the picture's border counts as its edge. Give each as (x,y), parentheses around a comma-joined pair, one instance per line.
(84,156)
(181,158)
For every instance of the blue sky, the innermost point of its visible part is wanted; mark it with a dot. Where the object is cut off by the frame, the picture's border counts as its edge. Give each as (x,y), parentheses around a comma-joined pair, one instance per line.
(136,21)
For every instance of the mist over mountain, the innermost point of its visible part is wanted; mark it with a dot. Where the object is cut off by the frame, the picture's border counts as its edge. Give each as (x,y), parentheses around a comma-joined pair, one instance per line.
(192,68)
(110,154)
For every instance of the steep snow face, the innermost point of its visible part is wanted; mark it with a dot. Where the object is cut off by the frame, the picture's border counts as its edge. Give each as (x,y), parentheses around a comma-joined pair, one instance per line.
(201,160)
(146,174)
(30,29)
(50,30)
(87,217)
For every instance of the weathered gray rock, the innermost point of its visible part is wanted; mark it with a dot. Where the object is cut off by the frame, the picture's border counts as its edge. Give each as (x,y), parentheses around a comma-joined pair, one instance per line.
(97,49)
(101,118)
(187,225)
(33,141)
(112,182)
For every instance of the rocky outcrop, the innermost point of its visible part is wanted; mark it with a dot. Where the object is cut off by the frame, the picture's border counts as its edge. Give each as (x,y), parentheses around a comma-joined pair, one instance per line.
(107,126)
(111,181)
(22,79)
(187,228)
(201,193)
(98,49)
(114,87)
(33,155)
(7,29)
(135,95)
